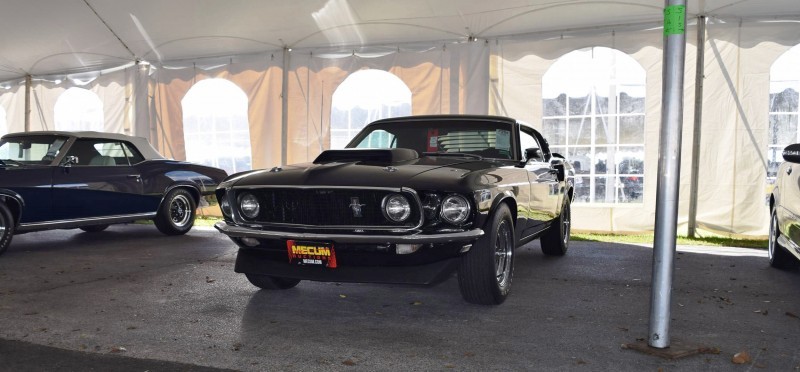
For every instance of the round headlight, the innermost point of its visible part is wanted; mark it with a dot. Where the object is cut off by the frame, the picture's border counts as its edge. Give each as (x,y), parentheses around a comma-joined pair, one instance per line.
(455,209)
(248,204)
(396,207)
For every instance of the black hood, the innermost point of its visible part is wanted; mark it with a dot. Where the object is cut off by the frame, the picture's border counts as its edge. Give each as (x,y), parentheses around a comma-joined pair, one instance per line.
(366,168)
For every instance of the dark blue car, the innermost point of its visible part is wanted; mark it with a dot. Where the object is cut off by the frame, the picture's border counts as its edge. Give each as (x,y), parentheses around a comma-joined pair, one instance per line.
(89,180)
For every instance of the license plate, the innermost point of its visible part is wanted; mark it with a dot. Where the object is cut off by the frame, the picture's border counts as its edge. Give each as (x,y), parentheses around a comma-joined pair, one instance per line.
(311,253)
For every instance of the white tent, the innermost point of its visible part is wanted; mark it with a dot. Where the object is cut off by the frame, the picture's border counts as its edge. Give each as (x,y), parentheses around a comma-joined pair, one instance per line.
(467,56)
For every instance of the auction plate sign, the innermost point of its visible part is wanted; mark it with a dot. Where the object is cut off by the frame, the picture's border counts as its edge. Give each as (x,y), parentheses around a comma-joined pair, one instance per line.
(311,253)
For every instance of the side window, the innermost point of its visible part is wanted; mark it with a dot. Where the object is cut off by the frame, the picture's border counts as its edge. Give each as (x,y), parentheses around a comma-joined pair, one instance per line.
(109,154)
(134,156)
(528,141)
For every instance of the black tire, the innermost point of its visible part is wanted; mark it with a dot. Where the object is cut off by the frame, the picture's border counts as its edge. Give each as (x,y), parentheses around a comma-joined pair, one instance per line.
(94,228)
(485,272)
(555,240)
(176,213)
(271,282)
(6,227)
(779,257)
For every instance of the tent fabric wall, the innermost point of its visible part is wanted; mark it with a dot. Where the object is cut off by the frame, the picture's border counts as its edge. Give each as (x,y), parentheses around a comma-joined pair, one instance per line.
(111,88)
(260,79)
(448,78)
(499,76)
(732,174)
(519,68)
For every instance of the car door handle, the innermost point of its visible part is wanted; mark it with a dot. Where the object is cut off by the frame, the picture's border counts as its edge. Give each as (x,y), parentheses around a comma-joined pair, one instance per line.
(135,176)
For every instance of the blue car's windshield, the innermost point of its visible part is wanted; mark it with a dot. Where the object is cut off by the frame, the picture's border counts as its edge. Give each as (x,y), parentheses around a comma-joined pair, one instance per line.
(485,138)
(30,150)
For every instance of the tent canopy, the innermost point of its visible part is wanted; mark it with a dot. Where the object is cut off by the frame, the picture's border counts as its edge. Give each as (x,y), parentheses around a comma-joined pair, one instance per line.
(69,36)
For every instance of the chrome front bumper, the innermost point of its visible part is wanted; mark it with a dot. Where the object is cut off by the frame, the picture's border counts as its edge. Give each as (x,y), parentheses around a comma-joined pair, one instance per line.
(243,232)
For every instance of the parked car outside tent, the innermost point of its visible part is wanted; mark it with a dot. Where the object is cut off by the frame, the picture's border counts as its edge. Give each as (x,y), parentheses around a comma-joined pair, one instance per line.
(784,227)
(89,180)
(409,200)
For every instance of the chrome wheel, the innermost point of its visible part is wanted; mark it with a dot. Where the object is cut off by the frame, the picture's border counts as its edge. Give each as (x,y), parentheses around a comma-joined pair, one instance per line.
(566,219)
(773,236)
(180,210)
(503,250)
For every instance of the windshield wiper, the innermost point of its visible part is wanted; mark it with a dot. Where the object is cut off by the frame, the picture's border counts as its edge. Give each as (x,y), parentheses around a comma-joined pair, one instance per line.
(455,154)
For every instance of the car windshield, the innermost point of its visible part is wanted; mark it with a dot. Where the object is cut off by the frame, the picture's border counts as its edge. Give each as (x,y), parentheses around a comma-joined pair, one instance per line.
(30,150)
(490,139)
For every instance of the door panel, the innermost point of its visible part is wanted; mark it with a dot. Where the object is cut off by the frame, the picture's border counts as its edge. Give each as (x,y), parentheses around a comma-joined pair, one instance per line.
(96,191)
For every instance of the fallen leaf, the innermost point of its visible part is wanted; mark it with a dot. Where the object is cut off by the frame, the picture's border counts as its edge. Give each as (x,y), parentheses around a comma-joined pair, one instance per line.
(348,362)
(237,346)
(416,303)
(209,280)
(118,349)
(792,315)
(131,327)
(342,296)
(741,357)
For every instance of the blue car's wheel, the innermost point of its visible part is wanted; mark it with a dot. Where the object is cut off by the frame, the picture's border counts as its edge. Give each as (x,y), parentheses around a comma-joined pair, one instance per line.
(176,213)
(6,227)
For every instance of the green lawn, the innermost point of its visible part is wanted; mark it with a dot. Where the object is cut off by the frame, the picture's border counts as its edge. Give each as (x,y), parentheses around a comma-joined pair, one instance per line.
(681,240)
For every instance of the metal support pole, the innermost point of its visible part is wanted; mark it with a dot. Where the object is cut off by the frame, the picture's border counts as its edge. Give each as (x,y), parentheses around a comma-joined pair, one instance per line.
(698,120)
(285,106)
(669,161)
(28,83)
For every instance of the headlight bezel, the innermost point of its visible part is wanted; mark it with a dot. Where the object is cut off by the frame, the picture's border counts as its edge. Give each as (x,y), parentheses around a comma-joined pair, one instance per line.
(392,198)
(455,203)
(253,212)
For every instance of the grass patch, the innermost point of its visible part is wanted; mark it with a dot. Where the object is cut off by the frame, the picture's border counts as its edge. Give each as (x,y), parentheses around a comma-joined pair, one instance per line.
(681,240)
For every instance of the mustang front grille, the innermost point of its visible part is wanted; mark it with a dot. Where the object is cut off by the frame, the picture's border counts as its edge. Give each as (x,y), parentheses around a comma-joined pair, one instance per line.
(328,207)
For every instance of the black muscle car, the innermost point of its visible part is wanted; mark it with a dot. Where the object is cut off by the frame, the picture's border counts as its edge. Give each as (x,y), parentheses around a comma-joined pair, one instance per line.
(410,200)
(88,180)
(784,227)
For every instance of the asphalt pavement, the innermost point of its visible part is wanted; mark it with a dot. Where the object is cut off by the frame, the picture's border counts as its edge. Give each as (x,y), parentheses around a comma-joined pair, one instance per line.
(131,299)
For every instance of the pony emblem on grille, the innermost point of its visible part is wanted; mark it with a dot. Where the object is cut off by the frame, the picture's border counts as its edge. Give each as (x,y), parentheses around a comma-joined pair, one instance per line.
(355,206)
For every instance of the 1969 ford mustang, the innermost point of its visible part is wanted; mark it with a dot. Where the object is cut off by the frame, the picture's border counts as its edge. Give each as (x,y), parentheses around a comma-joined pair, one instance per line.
(88,180)
(410,200)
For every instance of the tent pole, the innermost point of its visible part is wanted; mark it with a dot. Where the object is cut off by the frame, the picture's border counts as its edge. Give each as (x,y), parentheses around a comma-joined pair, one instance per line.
(285,106)
(669,161)
(28,83)
(698,119)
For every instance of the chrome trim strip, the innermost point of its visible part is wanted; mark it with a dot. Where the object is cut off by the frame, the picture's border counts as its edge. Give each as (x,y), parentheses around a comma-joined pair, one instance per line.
(243,232)
(85,221)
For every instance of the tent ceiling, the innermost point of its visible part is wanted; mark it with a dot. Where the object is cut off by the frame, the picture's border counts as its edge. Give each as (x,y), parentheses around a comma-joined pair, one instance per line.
(58,36)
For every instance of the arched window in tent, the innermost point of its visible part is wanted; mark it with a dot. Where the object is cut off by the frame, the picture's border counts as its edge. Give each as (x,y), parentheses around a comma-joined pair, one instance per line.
(784,107)
(78,109)
(594,108)
(363,97)
(216,131)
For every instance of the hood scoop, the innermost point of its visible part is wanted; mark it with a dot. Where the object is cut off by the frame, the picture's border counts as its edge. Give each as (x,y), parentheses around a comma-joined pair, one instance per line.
(367,156)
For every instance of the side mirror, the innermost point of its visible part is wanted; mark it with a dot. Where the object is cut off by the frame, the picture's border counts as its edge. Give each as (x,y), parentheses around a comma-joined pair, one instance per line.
(533,153)
(69,161)
(792,153)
